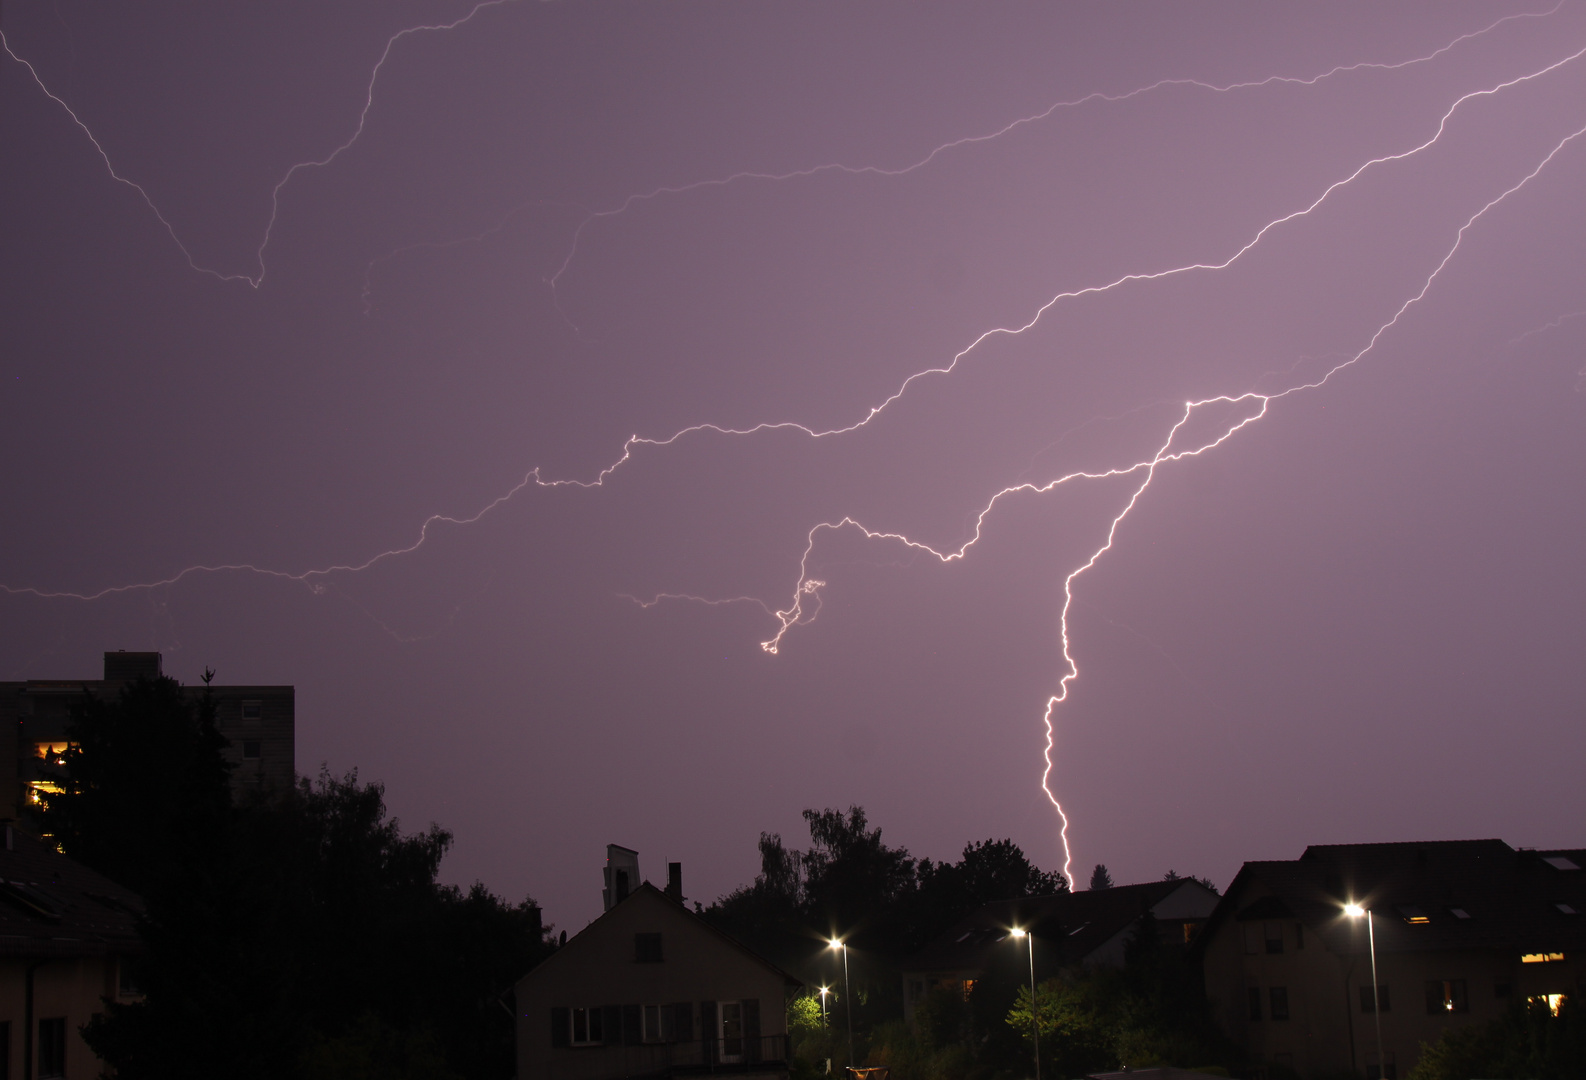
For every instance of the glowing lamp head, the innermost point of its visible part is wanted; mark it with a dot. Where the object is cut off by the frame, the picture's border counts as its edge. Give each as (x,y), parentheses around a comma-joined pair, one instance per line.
(825,990)
(834,943)
(1354,911)
(1016,932)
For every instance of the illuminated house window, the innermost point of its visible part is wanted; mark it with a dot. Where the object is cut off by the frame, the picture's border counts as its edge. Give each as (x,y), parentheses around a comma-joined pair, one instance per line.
(1446,996)
(1414,915)
(1552,1001)
(53,752)
(1541,957)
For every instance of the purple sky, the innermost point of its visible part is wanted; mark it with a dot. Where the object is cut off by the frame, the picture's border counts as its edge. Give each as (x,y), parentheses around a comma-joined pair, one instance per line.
(1362,617)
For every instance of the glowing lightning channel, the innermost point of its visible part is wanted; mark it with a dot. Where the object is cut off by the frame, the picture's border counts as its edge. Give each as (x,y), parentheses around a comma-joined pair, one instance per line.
(257,279)
(254,280)
(795,615)
(1023,121)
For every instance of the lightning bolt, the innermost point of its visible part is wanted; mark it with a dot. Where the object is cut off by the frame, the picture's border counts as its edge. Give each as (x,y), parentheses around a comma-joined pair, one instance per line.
(256,279)
(807,589)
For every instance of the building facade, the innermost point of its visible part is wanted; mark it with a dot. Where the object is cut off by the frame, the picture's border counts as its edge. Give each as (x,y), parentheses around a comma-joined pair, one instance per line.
(1462,930)
(1089,928)
(258,723)
(650,989)
(68,942)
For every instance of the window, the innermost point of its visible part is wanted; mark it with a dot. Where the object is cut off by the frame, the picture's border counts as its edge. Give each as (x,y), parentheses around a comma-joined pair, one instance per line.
(1255,1003)
(1252,939)
(250,749)
(1446,996)
(127,977)
(252,710)
(1559,862)
(647,948)
(1278,998)
(1389,1070)
(52,1047)
(1367,999)
(1413,915)
(1567,909)
(1274,937)
(1540,957)
(1459,913)
(656,1020)
(587,1029)
(1553,1001)
(731,1030)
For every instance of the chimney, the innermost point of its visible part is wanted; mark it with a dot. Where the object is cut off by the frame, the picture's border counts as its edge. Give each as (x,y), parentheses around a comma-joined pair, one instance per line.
(674,881)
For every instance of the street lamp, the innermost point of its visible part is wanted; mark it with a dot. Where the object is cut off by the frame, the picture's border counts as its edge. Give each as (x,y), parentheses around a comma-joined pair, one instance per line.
(1035,1023)
(848,996)
(1355,911)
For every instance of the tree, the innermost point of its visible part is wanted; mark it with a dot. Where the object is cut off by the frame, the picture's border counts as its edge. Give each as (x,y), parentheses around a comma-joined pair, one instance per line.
(1099,878)
(1530,1041)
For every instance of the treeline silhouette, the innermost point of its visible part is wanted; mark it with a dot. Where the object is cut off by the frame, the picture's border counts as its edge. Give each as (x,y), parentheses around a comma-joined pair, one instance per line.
(299,934)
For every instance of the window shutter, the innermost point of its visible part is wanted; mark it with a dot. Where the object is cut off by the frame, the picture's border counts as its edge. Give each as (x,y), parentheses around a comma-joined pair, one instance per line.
(707,1030)
(611,1017)
(751,1028)
(683,1021)
(632,1035)
(561,1021)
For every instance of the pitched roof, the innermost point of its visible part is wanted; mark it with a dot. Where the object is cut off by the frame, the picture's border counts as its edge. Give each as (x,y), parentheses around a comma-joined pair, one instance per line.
(646,889)
(1077,923)
(54,906)
(1428,896)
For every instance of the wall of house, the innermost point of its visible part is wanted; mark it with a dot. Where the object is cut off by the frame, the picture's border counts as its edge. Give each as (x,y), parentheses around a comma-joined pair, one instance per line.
(72,988)
(598,968)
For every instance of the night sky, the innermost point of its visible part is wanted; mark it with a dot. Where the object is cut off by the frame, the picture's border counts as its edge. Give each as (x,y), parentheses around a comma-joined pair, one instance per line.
(316,368)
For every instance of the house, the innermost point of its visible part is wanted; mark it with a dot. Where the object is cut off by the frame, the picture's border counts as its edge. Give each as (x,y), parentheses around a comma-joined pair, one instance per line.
(651,989)
(1461,930)
(67,939)
(1068,929)
(257,721)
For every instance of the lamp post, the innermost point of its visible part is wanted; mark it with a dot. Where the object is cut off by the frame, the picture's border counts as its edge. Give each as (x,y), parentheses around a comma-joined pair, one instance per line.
(848,997)
(1355,911)
(1035,1023)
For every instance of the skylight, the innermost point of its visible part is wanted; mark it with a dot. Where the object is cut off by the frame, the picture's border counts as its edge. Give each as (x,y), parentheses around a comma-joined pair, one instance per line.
(1567,909)
(1413,915)
(1559,862)
(1459,913)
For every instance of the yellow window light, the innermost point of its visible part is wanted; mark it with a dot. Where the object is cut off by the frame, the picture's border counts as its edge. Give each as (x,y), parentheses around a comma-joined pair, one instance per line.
(1540,957)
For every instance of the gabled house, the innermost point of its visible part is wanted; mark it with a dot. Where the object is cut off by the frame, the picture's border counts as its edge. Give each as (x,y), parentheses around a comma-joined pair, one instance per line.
(1462,929)
(651,989)
(68,938)
(1069,929)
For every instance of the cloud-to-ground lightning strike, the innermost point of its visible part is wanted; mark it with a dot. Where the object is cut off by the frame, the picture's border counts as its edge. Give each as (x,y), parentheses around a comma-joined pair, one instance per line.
(807,589)
(256,279)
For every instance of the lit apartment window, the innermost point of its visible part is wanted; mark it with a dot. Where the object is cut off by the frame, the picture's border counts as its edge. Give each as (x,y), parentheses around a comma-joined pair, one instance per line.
(1553,1001)
(1368,1000)
(252,710)
(52,1047)
(1446,996)
(1414,915)
(647,948)
(1541,957)
(1278,999)
(1255,1003)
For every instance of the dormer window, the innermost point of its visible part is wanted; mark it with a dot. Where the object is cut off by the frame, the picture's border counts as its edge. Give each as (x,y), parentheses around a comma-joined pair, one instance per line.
(1414,915)
(1459,913)
(1559,862)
